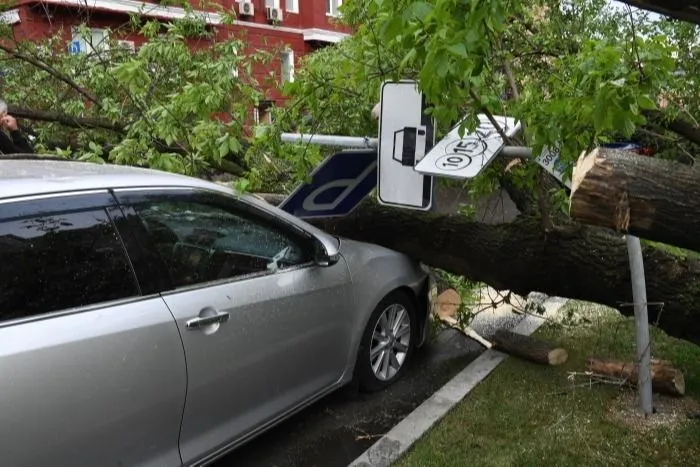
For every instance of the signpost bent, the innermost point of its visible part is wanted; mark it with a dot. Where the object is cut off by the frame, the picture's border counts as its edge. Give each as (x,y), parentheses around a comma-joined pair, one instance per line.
(337,186)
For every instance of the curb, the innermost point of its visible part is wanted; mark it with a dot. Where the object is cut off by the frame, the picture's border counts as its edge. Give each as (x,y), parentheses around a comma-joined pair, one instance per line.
(401,437)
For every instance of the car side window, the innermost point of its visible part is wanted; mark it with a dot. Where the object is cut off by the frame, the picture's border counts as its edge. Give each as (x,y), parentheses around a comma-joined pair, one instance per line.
(201,242)
(58,261)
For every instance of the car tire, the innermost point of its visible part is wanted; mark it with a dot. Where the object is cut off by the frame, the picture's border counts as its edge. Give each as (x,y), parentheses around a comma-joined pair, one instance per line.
(385,350)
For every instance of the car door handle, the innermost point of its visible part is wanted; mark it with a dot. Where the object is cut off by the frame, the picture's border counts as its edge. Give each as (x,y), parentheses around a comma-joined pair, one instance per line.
(196,323)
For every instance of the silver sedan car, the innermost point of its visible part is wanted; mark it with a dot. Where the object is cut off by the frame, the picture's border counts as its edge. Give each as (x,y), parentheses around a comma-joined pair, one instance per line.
(148,318)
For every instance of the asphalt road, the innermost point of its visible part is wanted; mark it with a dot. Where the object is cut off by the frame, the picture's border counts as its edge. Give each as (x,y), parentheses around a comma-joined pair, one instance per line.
(340,427)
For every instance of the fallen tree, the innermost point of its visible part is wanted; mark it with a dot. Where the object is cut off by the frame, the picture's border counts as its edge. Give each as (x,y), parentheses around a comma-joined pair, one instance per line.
(570,260)
(650,198)
(169,94)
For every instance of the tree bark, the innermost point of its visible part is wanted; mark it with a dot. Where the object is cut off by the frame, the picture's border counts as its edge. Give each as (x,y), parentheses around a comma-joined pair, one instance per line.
(529,348)
(575,261)
(63,119)
(650,198)
(664,378)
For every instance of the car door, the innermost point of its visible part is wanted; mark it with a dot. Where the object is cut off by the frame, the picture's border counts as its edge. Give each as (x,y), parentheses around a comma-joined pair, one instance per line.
(264,328)
(92,369)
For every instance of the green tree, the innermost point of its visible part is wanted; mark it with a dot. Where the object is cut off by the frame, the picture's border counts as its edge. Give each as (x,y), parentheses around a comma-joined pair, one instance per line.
(168,106)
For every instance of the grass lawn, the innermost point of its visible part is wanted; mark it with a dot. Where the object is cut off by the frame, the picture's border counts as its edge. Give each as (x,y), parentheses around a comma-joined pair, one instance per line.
(530,414)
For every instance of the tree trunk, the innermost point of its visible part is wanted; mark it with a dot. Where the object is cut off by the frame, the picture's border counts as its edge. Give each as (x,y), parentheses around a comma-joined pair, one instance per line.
(528,348)
(664,378)
(575,261)
(650,198)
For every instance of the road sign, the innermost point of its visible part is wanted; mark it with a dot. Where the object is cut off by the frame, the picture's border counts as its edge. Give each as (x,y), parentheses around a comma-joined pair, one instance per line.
(406,133)
(464,157)
(337,186)
(549,160)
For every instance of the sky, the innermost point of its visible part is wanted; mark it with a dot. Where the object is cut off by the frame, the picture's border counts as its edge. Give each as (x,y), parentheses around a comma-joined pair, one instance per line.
(623,6)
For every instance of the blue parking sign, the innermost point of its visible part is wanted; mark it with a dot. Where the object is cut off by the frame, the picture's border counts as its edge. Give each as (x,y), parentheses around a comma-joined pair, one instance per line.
(74,47)
(337,186)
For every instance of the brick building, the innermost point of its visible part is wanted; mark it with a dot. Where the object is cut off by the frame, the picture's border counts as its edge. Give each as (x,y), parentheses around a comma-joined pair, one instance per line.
(297,26)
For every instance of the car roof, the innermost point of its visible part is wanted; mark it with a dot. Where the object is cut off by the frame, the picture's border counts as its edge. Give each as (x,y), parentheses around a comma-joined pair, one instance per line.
(36,176)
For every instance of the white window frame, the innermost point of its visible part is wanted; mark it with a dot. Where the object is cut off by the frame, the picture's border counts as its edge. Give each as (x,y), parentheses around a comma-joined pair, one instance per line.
(287,65)
(272,3)
(332,7)
(235,72)
(90,47)
(292,6)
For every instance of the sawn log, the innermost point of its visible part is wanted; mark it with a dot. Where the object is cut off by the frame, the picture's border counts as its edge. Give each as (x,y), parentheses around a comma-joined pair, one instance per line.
(649,198)
(665,379)
(529,348)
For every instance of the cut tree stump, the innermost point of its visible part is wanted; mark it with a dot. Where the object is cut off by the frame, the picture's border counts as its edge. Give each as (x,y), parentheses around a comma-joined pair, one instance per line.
(447,305)
(665,379)
(650,198)
(529,348)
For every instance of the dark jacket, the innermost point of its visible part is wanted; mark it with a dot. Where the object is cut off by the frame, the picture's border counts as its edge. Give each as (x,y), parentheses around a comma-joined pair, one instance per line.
(15,143)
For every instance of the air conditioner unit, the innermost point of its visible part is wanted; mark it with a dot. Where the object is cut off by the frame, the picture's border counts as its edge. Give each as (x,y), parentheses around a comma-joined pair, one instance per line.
(127,45)
(274,14)
(246,8)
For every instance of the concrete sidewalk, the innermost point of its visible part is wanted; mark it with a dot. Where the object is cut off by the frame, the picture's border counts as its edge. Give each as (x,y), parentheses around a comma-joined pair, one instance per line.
(399,439)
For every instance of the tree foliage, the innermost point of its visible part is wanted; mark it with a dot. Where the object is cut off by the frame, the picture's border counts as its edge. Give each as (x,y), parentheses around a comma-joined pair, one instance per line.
(583,72)
(180,103)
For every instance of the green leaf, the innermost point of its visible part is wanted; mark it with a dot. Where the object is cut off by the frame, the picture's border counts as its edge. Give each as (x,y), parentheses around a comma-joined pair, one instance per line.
(458,49)
(418,10)
(645,102)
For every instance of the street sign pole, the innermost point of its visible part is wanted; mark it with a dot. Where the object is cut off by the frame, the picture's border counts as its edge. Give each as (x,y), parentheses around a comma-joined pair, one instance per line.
(330,140)
(641,323)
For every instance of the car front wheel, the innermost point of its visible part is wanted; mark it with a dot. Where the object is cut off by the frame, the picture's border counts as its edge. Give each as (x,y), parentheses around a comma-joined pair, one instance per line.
(388,342)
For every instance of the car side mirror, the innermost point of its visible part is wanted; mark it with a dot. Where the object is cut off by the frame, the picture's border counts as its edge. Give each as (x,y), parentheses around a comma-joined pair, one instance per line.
(325,255)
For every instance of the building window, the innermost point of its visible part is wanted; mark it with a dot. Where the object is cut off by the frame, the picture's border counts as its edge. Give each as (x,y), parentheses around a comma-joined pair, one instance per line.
(272,3)
(287,58)
(292,6)
(332,7)
(95,41)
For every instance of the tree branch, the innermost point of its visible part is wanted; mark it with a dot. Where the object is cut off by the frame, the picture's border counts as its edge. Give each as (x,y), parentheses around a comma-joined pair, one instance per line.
(63,119)
(677,125)
(53,72)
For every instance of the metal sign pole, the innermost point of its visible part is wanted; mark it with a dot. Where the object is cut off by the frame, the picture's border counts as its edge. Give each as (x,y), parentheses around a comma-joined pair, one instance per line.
(641,322)
(331,140)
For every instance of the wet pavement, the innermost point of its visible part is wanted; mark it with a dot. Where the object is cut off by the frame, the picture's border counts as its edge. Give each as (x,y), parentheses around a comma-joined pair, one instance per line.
(337,429)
